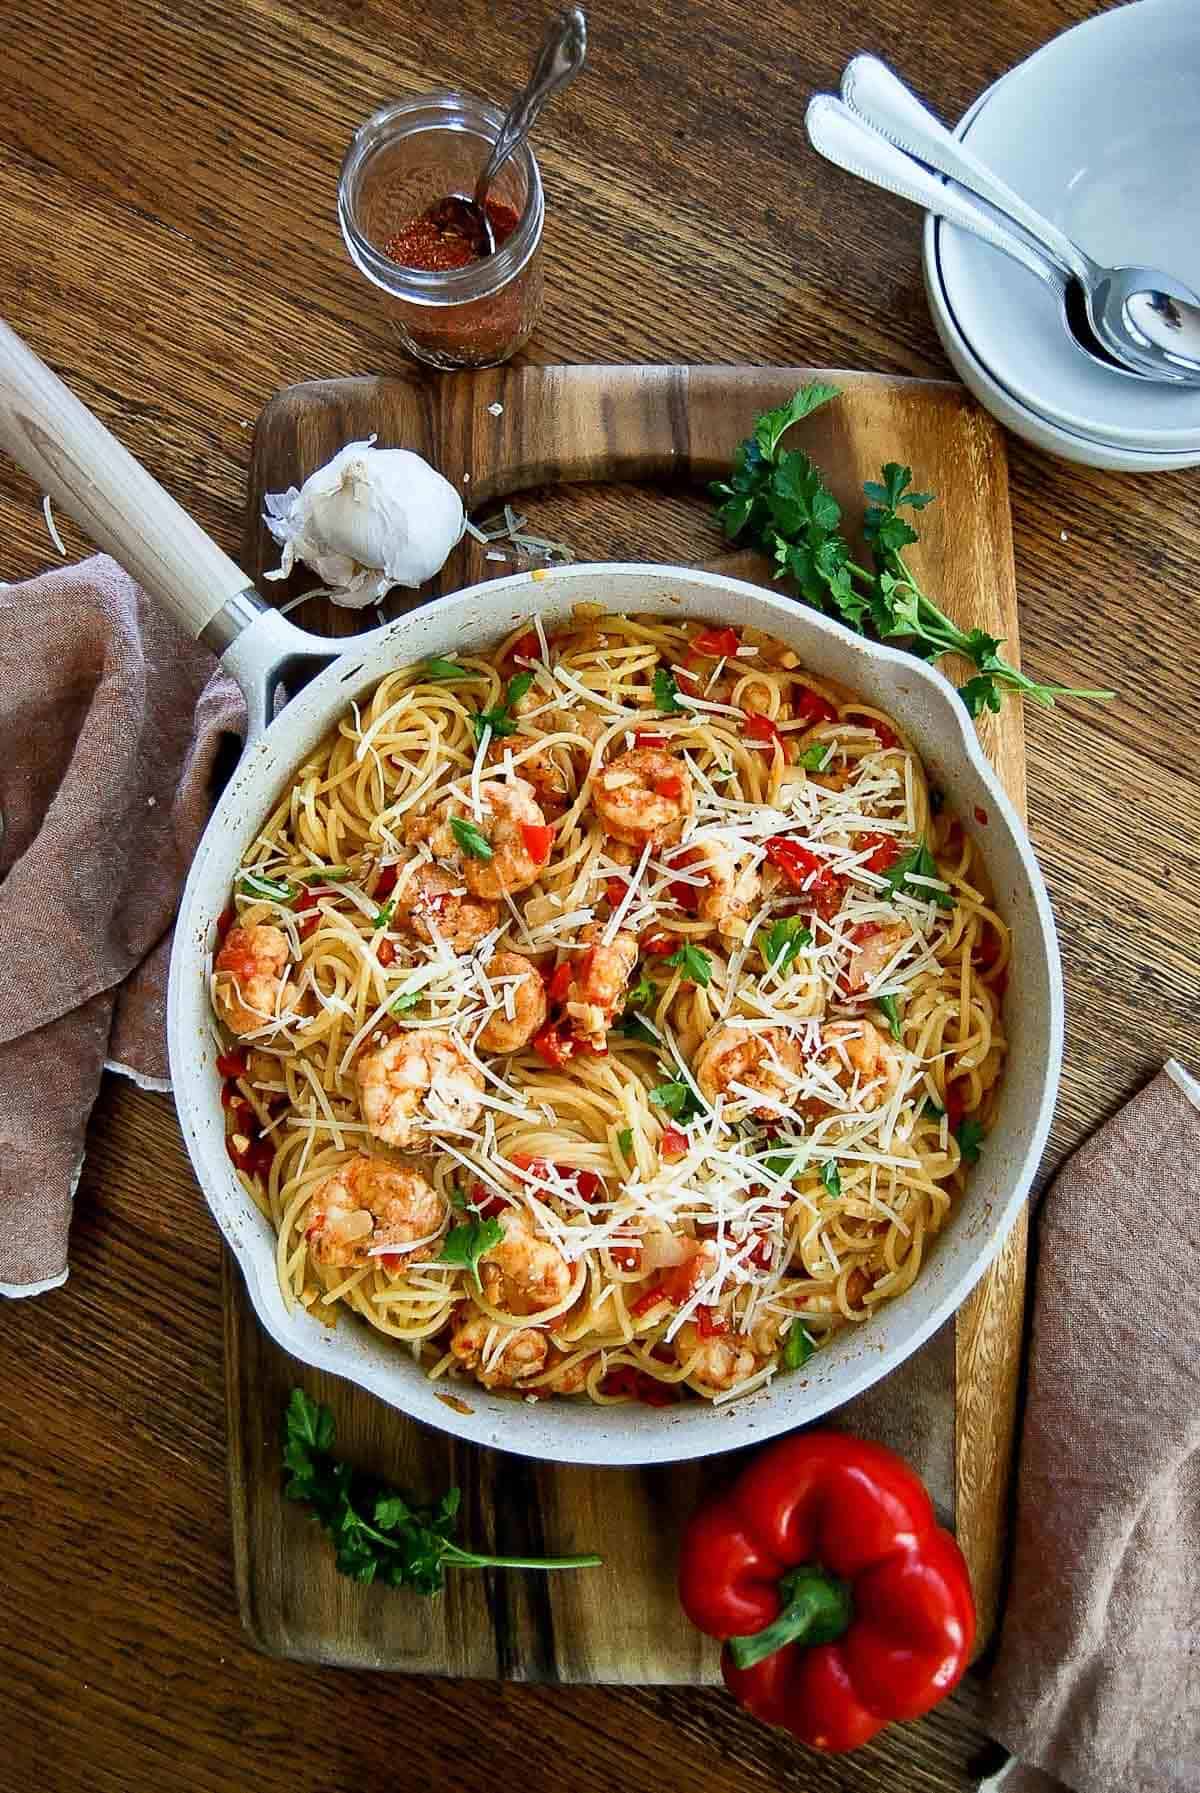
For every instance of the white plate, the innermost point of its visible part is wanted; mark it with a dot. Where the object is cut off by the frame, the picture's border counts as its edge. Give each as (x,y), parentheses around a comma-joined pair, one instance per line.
(1099,131)
(1086,451)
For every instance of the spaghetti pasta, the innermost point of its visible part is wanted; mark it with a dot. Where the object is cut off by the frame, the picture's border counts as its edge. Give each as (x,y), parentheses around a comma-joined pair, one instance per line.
(609,1015)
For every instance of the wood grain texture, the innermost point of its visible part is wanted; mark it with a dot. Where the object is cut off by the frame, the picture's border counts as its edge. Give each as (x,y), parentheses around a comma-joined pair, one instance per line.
(495,436)
(166,197)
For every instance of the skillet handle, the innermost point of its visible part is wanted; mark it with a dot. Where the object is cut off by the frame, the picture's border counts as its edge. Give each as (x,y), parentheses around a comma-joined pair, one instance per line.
(83,467)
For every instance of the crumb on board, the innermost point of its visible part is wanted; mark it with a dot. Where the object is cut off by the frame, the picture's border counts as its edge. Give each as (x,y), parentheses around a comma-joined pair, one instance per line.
(453,1401)
(496,408)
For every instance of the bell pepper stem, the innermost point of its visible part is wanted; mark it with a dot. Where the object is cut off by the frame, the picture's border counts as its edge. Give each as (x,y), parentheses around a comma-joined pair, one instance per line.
(816,1608)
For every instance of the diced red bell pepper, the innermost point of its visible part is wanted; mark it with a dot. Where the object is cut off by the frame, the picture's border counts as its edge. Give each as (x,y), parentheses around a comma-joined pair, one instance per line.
(649,737)
(885,850)
(658,945)
(686,895)
(674,1144)
(711,1322)
(538,838)
(812,708)
(887,737)
(232,1064)
(526,647)
(225,921)
(842,1602)
(647,1302)
(385,952)
(716,644)
(386,881)
(670,786)
(799,865)
(486,1201)
(616,890)
(681,1281)
(626,1255)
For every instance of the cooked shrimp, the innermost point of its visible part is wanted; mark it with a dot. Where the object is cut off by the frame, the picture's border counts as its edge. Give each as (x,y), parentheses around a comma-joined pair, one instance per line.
(644,796)
(523,1273)
(767,1063)
(719,1362)
(541,766)
(856,1050)
(505,1032)
(567,1381)
(599,979)
(510,812)
(249,978)
(431,899)
(420,1082)
(874,950)
(727,896)
(367,1204)
(821,1298)
(496,1356)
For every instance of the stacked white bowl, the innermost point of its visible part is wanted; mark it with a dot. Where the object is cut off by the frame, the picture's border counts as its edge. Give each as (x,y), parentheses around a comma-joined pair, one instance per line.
(1100,130)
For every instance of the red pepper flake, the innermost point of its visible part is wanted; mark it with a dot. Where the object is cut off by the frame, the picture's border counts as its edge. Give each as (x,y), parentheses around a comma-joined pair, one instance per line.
(430,243)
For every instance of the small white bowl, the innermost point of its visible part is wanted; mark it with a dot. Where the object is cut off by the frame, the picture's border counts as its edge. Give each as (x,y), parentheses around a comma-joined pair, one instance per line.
(1098,130)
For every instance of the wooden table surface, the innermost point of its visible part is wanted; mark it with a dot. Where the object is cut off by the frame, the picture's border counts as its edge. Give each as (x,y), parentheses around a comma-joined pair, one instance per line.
(167,178)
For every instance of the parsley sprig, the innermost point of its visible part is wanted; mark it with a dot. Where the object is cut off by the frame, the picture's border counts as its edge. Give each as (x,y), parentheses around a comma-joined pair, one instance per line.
(500,720)
(377,1534)
(776,500)
(919,863)
(693,964)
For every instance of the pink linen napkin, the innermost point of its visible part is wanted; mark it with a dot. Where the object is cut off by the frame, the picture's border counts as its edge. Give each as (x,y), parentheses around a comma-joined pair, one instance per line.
(1097,1681)
(111,725)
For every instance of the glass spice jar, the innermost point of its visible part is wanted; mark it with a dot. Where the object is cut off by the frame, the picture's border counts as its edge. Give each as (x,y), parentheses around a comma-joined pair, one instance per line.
(403,160)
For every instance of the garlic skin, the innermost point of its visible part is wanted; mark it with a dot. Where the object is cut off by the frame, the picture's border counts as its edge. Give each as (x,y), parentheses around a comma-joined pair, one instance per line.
(369,519)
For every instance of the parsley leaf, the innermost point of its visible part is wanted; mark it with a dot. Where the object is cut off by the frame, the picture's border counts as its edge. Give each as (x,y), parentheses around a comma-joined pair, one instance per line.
(918,862)
(666,692)
(797,1347)
(969,1135)
(693,963)
(831,1177)
(642,994)
(625,1141)
(887,1006)
(457,1194)
(470,839)
(376,1533)
(783,943)
(633,1027)
(407,999)
(466,1244)
(500,720)
(446,669)
(813,758)
(931,1111)
(383,916)
(777,501)
(780,1166)
(678,1099)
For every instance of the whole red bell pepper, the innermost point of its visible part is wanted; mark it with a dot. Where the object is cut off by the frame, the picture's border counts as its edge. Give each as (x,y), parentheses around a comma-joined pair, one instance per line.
(843,1604)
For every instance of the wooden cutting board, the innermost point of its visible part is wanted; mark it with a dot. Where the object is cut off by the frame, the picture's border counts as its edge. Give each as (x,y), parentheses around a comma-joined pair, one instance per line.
(556,427)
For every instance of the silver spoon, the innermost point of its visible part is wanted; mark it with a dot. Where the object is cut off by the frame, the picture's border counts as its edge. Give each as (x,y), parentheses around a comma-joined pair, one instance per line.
(1147,319)
(562,56)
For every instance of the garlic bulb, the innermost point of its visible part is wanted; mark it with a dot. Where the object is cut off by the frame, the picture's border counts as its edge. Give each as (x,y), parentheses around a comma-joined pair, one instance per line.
(369,519)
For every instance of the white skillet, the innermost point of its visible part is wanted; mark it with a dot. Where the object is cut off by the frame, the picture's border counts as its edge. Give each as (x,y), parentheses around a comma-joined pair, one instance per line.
(86,470)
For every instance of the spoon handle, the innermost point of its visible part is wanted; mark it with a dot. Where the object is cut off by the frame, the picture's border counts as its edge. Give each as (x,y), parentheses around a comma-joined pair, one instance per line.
(562,56)
(844,138)
(877,95)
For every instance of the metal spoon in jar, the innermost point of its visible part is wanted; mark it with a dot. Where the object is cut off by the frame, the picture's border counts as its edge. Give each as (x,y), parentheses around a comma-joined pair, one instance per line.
(560,61)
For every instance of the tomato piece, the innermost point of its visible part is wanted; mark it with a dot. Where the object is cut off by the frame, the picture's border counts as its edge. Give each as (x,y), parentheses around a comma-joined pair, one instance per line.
(649,737)
(646,1304)
(391,1260)
(225,921)
(538,838)
(626,1256)
(386,882)
(761,731)
(636,1385)
(658,945)
(803,869)
(560,983)
(670,785)
(232,1064)
(711,1321)
(616,890)
(687,896)
(525,647)
(680,1283)
(887,737)
(811,707)
(487,1201)
(385,952)
(885,850)
(555,1046)
(716,644)
(590,1185)
(674,1144)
